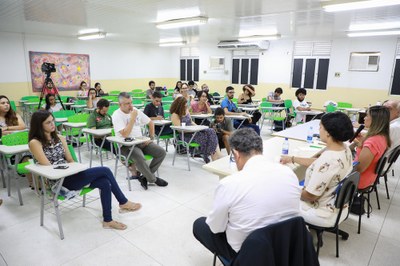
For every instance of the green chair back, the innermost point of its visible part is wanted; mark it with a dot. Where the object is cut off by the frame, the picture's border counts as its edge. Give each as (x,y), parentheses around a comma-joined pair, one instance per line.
(235,100)
(114,92)
(344,105)
(80,102)
(137,91)
(13,106)
(35,100)
(63,98)
(112,109)
(17,138)
(288,103)
(215,94)
(137,101)
(73,154)
(141,95)
(170,92)
(30,97)
(79,118)
(111,98)
(168,99)
(330,108)
(63,113)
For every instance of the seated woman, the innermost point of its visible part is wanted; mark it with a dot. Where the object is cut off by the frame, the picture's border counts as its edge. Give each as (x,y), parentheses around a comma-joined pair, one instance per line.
(245,98)
(324,173)
(48,148)
(373,145)
(83,89)
(207,138)
(201,106)
(51,104)
(92,98)
(184,92)
(9,120)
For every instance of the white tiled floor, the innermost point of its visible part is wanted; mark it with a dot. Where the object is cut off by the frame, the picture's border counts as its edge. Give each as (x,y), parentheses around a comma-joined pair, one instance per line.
(161,232)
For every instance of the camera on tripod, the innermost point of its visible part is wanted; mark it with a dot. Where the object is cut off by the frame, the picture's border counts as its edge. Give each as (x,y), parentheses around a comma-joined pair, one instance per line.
(48,68)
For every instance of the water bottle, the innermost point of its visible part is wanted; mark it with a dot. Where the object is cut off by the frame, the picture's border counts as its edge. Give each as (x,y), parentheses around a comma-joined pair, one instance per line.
(285,147)
(165,90)
(310,135)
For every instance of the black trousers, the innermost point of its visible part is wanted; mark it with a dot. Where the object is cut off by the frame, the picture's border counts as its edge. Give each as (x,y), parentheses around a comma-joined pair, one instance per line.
(216,243)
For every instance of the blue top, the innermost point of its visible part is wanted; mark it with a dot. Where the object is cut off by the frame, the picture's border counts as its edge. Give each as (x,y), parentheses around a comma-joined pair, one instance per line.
(226,103)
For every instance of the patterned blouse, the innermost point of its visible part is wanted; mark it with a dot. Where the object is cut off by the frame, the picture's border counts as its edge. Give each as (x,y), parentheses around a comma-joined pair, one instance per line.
(323,177)
(55,153)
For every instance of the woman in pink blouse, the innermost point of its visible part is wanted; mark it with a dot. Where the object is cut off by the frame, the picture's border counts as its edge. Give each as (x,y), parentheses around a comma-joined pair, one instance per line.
(373,145)
(201,106)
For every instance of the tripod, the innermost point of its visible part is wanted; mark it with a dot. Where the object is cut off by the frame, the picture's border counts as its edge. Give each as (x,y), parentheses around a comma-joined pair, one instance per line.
(46,90)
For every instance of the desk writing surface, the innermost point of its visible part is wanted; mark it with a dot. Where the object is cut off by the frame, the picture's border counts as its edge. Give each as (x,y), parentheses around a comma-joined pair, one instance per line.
(195,128)
(97,132)
(10,150)
(272,149)
(299,132)
(49,172)
(121,141)
(161,122)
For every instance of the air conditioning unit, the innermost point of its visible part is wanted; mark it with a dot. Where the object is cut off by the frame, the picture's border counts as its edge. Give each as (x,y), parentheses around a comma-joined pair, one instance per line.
(235,45)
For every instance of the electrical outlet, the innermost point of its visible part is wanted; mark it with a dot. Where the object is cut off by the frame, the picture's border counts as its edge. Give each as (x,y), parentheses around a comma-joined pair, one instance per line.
(337,74)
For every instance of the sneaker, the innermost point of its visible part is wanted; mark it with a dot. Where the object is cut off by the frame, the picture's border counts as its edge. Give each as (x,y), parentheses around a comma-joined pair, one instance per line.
(161,182)
(143,182)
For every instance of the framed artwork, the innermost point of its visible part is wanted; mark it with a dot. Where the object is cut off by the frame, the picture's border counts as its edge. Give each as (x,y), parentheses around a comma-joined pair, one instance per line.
(71,69)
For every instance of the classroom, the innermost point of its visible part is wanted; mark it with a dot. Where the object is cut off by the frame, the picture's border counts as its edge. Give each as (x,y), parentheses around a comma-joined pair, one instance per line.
(347,59)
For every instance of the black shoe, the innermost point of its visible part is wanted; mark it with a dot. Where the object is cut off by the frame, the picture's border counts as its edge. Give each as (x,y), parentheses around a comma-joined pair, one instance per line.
(143,182)
(206,159)
(161,182)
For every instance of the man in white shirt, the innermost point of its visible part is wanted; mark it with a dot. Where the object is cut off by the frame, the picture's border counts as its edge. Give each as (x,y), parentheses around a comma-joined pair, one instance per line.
(127,121)
(300,104)
(394,109)
(261,193)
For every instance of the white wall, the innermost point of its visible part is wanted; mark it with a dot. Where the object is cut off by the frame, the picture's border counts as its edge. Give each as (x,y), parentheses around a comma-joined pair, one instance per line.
(108,60)
(111,60)
(340,55)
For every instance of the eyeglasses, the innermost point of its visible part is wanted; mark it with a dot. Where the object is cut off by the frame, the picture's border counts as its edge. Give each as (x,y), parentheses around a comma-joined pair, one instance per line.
(232,158)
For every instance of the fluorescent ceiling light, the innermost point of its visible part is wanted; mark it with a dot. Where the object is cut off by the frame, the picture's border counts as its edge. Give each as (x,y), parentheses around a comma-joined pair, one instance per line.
(259,38)
(182,22)
(170,44)
(92,36)
(353,5)
(373,33)
(375,26)
(89,31)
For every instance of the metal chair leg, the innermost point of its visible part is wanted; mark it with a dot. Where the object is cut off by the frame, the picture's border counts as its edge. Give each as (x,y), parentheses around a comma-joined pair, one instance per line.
(386,186)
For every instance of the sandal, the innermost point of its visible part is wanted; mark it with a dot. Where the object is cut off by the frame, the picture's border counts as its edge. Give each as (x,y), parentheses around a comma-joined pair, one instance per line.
(114,225)
(129,207)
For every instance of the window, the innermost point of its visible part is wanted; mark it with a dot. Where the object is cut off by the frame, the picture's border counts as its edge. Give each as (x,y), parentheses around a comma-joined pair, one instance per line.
(189,63)
(311,65)
(395,88)
(245,67)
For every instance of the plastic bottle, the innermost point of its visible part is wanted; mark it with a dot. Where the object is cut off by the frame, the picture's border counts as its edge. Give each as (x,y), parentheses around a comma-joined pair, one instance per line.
(310,135)
(165,90)
(285,147)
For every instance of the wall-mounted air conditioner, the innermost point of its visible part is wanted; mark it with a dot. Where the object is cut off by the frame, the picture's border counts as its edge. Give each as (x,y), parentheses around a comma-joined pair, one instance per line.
(234,45)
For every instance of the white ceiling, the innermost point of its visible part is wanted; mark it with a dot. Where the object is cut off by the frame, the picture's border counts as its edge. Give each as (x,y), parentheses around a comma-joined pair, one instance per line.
(134,20)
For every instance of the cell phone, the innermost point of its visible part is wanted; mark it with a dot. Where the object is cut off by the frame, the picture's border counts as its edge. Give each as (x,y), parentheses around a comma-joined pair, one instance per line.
(61,167)
(129,139)
(360,128)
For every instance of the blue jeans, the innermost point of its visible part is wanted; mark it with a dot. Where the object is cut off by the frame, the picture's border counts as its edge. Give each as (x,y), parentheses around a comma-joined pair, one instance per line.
(101,178)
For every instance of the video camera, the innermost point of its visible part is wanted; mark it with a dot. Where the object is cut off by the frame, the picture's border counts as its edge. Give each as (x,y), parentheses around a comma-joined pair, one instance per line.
(48,68)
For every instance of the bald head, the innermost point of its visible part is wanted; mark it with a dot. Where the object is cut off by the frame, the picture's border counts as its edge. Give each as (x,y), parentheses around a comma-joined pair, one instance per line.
(394,108)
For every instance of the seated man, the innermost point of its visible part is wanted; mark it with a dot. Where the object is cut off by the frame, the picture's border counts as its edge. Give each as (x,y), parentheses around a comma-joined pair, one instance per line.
(151,90)
(300,104)
(100,119)
(248,199)
(275,97)
(155,111)
(127,122)
(230,108)
(224,128)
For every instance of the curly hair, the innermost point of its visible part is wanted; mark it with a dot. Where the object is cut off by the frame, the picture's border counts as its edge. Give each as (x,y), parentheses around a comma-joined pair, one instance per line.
(179,107)
(11,116)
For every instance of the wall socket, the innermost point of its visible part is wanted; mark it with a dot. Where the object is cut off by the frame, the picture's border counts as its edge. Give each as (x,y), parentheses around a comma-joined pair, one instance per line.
(337,74)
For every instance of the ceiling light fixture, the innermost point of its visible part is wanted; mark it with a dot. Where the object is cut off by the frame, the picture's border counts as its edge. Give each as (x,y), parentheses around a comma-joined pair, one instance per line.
(92,36)
(182,22)
(170,44)
(259,38)
(353,5)
(375,26)
(373,33)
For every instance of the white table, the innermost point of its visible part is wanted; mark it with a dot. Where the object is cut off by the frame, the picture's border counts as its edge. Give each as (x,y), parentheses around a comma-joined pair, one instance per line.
(16,150)
(203,117)
(121,142)
(162,124)
(239,117)
(61,119)
(78,106)
(68,127)
(182,130)
(300,131)
(214,106)
(89,110)
(272,150)
(96,133)
(48,171)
